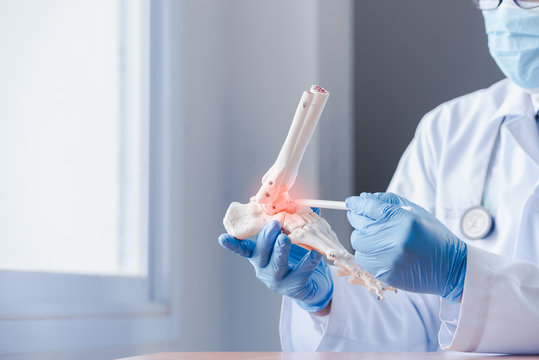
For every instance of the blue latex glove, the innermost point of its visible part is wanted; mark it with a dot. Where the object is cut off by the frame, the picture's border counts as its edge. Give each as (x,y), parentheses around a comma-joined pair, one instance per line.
(407,249)
(286,268)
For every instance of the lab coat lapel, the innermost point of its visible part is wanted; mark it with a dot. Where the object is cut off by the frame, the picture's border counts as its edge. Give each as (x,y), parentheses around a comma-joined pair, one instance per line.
(517,179)
(520,121)
(527,247)
(520,159)
(524,131)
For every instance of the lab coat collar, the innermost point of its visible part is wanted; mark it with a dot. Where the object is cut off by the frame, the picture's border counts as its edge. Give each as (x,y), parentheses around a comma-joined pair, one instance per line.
(515,102)
(519,115)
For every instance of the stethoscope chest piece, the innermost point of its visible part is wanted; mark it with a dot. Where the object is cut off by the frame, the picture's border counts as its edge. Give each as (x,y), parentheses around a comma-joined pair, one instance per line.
(476,223)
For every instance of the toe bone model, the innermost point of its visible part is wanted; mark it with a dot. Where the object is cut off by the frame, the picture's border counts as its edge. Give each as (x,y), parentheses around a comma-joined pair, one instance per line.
(273,202)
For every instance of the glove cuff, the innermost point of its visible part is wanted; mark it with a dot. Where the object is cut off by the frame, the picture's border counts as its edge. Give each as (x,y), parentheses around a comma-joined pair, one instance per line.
(457,286)
(320,305)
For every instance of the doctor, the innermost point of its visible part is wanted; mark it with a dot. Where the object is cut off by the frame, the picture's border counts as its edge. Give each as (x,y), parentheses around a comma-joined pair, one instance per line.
(465,248)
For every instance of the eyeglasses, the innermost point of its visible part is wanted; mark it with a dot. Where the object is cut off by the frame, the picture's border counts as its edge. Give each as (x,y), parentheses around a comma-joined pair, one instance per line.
(494,4)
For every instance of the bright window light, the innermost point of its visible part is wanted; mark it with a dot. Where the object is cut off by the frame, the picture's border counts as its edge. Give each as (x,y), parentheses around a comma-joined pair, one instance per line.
(73,136)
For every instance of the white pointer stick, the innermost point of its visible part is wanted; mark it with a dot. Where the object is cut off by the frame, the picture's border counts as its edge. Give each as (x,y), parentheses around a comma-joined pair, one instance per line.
(330,204)
(323,204)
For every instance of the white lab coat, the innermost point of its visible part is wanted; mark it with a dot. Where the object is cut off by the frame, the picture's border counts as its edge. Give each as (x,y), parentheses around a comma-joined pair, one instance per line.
(443,170)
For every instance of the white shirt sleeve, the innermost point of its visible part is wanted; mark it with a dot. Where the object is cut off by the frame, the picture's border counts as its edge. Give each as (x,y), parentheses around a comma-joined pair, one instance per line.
(500,306)
(415,177)
(359,322)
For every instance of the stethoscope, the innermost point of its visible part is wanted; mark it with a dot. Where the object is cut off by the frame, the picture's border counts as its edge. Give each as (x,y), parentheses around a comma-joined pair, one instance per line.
(477,222)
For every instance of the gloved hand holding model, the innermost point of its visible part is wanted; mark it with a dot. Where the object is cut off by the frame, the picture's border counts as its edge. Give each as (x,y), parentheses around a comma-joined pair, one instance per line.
(403,245)
(286,268)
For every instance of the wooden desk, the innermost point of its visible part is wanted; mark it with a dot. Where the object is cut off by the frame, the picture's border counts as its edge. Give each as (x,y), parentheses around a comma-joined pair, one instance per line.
(323,356)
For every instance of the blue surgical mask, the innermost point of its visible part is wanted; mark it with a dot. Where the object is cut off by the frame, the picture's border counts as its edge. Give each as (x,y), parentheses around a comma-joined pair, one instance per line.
(513,40)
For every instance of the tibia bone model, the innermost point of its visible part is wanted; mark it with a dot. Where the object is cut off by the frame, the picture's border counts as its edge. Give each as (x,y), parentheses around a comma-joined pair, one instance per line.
(272,202)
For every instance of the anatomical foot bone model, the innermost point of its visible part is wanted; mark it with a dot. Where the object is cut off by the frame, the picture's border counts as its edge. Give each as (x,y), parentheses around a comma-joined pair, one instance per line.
(299,222)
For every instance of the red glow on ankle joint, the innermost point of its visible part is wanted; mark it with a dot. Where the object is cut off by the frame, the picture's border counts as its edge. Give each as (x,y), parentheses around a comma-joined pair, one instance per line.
(280,202)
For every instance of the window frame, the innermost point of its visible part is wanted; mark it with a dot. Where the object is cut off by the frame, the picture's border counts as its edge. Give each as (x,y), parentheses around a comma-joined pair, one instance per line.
(69,312)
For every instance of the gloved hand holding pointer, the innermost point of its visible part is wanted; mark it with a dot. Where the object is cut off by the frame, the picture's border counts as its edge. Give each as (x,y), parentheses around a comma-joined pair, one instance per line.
(403,245)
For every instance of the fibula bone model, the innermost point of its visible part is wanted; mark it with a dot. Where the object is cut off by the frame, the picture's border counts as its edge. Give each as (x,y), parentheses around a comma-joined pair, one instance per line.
(273,202)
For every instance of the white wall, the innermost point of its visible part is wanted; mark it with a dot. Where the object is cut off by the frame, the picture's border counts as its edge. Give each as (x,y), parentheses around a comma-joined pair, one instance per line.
(245,65)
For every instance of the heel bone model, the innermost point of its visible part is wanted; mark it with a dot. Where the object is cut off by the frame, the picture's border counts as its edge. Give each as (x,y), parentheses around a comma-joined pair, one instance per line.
(273,202)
